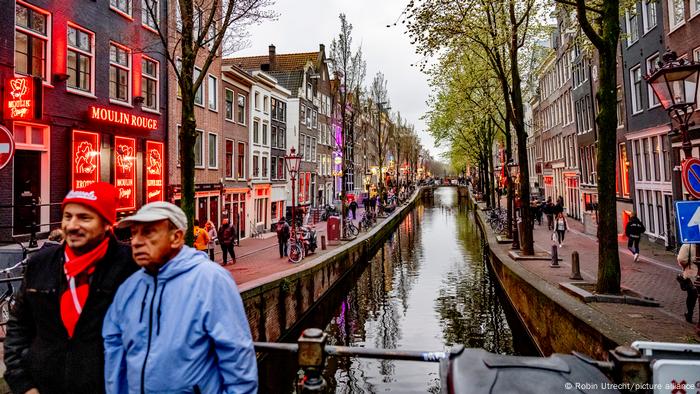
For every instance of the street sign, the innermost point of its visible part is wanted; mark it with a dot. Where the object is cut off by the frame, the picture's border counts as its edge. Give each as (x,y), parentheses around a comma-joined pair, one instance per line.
(691,176)
(7,146)
(688,220)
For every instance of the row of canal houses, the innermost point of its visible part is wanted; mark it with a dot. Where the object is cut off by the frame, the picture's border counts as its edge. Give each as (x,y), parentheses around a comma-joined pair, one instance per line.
(106,107)
(561,117)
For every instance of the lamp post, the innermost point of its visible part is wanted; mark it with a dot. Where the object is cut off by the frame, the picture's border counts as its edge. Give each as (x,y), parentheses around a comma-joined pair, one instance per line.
(512,168)
(675,84)
(292,161)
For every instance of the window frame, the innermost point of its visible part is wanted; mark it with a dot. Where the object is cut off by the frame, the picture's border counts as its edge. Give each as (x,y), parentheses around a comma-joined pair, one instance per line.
(241,165)
(256,131)
(129,78)
(126,14)
(646,27)
(634,108)
(156,79)
(210,78)
(242,110)
(651,97)
(671,15)
(216,151)
(46,38)
(201,149)
(145,15)
(195,75)
(694,8)
(232,166)
(91,55)
(226,105)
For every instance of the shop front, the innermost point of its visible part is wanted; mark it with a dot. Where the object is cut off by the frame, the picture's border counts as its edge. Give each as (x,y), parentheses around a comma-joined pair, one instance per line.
(234,208)
(261,207)
(572,196)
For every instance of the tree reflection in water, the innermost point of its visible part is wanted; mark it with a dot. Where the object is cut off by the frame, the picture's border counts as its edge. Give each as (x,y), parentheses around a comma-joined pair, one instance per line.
(427,288)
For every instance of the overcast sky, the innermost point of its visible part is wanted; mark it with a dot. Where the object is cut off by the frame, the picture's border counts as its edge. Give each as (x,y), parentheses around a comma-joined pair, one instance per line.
(303,24)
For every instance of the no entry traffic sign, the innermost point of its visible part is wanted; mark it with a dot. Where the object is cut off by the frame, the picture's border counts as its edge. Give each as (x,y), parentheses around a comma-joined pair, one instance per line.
(7,146)
(691,176)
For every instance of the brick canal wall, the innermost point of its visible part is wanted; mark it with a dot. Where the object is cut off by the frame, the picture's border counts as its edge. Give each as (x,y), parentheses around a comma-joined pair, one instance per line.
(556,321)
(276,303)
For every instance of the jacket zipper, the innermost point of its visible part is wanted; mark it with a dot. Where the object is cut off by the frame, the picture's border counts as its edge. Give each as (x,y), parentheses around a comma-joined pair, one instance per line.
(150,332)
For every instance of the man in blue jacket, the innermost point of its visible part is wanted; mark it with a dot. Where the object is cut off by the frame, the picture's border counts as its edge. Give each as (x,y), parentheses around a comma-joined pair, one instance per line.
(178,324)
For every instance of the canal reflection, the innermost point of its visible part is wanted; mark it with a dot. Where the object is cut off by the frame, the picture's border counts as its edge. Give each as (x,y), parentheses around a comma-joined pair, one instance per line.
(427,288)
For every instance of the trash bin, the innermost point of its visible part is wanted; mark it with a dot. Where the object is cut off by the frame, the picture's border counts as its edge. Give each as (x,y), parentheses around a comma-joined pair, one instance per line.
(333,228)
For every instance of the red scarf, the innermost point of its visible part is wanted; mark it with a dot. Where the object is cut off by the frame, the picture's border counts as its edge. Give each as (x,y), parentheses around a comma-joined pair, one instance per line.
(78,270)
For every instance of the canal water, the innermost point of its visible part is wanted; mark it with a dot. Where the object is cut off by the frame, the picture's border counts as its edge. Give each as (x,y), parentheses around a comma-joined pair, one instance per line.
(427,288)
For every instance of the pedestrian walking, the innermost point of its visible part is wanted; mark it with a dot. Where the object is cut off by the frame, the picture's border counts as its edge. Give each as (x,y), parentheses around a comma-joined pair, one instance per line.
(559,206)
(282,236)
(549,211)
(687,278)
(45,349)
(634,230)
(227,236)
(177,325)
(201,238)
(213,237)
(353,208)
(373,203)
(561,226)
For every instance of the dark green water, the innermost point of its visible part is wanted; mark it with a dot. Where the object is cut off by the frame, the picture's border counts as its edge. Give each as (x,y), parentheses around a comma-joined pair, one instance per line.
(427,288)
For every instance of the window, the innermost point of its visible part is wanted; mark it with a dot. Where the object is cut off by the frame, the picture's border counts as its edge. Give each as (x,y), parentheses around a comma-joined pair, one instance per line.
(636,84)
(302,115)
(178,16)
(240,165)
(645,151)
(637,160)
(620,114)
(624,170)
(241,109)
(150,13)
(257,101)
(178,65)
(660,212)
(667,158)
(256,132)
(213,150)
(281,139)
(79,59)
(650,212)
(280,168)
(308,117)
(199,149)
(309,91)
(119,73)
(31,41)
(655,151)
(649,14)
(676,13)
(313,149)
(265,109)
(651,65)
(229,159)
(264,167)
(264,134)
(273,168)
(273,136)
(307,149)
(256,166)
(149,83)
(121,6)
(199,94)
(315,119)
(229,104)
(302,145)
(694,7)
(273,108)
(213,92)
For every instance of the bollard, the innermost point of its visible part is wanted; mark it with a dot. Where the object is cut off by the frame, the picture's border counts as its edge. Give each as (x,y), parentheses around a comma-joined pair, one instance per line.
(323,242)
(555,257)
(575,268)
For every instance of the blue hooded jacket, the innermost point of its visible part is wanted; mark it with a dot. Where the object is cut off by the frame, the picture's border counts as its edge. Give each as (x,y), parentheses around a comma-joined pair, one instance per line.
(182,331)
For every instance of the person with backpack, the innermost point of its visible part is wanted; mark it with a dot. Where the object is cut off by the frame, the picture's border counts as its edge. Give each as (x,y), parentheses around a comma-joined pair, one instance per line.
(227,235)
(282,236)
(634,230)
(353,208)
(687,278)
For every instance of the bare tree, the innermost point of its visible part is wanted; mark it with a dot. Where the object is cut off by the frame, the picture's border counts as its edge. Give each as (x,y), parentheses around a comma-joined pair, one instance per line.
(198,33)
(379,96)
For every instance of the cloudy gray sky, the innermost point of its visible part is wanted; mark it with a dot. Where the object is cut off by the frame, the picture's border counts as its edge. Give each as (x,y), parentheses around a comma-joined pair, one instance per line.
(303,24)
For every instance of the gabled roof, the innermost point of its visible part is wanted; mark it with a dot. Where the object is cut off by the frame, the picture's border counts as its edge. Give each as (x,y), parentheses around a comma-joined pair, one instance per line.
(285,62)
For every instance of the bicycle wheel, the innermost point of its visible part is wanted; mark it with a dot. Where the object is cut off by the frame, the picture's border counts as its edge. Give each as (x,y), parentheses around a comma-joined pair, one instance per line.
(295,254)
(352,229)
(4,316)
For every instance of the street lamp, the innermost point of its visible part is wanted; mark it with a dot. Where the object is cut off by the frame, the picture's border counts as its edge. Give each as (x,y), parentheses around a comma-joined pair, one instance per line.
(292,161)
(512,169)
(675,84)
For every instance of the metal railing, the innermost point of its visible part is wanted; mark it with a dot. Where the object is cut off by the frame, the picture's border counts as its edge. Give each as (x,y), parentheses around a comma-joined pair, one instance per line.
(34,225)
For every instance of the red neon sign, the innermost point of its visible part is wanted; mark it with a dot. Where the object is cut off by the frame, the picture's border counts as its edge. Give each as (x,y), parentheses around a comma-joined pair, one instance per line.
(125,172)
(23,98)
(155,189)
(122,118)
(85,159)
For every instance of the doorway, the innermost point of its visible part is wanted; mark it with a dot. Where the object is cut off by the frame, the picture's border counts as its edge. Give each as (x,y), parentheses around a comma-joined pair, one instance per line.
(27,189)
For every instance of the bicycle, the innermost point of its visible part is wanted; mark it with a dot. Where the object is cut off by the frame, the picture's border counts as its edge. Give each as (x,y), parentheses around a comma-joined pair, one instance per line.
(7,299)
(349,228)
(296,248)
(366,221)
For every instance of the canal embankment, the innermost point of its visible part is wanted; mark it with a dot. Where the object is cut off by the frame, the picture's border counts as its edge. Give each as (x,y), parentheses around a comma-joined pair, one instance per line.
(275,303)
(559,322)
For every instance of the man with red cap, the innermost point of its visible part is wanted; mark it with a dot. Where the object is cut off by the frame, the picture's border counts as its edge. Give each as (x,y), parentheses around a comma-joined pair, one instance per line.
(54,342)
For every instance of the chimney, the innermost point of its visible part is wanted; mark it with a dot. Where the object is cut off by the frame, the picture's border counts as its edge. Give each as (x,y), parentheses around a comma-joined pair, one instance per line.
(272,57)
(322,48)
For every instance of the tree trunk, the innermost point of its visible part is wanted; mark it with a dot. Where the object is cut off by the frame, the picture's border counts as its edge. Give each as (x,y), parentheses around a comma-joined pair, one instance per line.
(608,257)
(188,137)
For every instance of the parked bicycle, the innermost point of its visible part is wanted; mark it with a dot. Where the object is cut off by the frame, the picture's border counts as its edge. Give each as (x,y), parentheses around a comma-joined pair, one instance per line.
(497,219)
(296,248)
(367,221)
(349,228)
(7,299)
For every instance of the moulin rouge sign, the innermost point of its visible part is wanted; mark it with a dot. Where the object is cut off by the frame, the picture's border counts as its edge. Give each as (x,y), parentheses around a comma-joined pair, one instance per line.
(154,171)
(23,98)
(125,172)
(122,118)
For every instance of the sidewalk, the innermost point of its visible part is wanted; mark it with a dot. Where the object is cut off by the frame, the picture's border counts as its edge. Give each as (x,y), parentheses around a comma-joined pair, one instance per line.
(259,257)
(653,276)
